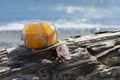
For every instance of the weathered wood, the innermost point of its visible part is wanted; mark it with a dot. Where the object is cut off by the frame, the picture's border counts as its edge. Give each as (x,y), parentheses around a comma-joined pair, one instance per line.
(94,57)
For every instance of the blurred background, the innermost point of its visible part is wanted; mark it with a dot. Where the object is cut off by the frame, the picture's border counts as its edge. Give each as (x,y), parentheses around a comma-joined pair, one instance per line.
(71,17)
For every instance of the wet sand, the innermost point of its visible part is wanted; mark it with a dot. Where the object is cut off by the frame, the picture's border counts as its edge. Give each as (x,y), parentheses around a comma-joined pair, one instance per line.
(11,38)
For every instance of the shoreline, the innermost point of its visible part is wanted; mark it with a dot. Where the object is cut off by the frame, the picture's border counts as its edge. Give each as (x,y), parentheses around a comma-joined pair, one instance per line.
(15,38)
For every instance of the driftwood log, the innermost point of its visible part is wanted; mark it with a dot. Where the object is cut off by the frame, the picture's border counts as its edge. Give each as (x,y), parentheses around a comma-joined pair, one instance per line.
(94,57)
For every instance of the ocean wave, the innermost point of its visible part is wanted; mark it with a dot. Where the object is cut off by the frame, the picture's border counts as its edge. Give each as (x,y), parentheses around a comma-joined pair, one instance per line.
(90,12)
(72,9)
(13,26)
(64,24)
(86,12)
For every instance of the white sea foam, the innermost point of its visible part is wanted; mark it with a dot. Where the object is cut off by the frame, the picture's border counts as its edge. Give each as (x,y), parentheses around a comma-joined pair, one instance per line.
(78,24)
(14,26)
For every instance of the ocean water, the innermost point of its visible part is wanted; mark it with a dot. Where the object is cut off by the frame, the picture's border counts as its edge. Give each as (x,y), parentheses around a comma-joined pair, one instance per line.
(70,17)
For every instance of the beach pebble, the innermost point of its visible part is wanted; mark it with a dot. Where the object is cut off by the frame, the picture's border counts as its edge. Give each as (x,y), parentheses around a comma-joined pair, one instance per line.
(119,51)
(62,50)
(36,78)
